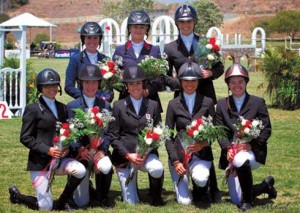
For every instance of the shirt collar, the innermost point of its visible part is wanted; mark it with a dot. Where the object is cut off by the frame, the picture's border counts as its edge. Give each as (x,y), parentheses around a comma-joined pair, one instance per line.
(48,101)
(187,38)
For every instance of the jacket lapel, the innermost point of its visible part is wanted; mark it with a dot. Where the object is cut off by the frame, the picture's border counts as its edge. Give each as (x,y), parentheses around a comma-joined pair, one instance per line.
(130,107)
(185,107)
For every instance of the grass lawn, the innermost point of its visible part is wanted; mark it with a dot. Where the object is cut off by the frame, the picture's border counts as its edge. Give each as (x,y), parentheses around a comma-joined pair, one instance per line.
(282,162)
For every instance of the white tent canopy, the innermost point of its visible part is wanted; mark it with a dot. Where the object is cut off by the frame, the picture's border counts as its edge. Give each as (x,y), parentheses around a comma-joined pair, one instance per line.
(28,20)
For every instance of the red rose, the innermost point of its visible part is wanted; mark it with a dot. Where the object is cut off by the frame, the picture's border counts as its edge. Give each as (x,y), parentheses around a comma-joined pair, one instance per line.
(67,132)
(149,133)
(155,136)
(55,140)
(248,123)
(103,72)
(65,126)
(111,65)
(99,121)
(190,132)
(95,110)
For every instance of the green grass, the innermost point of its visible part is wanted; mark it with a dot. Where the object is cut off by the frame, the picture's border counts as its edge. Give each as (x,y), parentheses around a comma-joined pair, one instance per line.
(282,162)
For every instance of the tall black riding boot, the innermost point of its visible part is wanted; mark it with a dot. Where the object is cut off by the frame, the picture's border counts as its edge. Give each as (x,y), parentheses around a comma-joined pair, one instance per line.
(266,186)
(246,181)
(213,186)
(26,200)
(71,185)
(103,183)
(201,193)
(155,186)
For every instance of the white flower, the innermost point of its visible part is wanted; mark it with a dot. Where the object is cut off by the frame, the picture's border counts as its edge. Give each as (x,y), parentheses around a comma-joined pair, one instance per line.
(72,126)
(62,138)
(210,57)
(200,128)
(195,133)
(148,140)
(247,130)
(158,130)
(99,115)
(106,68)
(92,121)
(255,123)
(243,121)
(61,131)
(108,75)
(209,46)
(194,123)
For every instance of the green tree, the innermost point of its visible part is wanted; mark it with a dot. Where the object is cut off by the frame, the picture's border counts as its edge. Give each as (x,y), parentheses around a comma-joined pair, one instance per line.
(263,24)
(209,16)
(286,21)
(119,10)
(3,17)
(41,37)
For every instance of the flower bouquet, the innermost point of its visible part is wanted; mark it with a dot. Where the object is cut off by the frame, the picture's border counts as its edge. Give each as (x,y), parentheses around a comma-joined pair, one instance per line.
(246,131)
(68,132)
(111,73)
(154,67)
(201,129)
(208,52)
(151,137)
(95,123)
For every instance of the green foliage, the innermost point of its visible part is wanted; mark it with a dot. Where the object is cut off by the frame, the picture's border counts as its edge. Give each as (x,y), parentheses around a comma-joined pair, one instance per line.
(263,24)
(282,72)
(14,62)
(121,9)
(209,16)
(41,37)
(286,21)
(3,17)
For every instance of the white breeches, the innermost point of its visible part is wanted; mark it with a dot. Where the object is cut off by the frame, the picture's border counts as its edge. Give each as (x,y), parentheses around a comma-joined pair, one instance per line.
(198,170)
(39,179)
(152,165)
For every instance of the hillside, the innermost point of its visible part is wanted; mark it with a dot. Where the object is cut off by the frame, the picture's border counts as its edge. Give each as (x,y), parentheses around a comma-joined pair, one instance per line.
(69,15)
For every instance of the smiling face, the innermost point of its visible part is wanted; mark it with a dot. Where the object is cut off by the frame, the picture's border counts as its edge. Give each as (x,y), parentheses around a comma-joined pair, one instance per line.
(186,28)
(135,89)
(138,32)
(50,90)
(237,86)
(90,88)
(91,43)
(189,87)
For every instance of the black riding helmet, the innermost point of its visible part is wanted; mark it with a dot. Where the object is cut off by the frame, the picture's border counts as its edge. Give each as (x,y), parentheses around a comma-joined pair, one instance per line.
(47,77)
(185,13)
(133,74)
(91,29)
(89,72)
(138,17)
(189,71)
